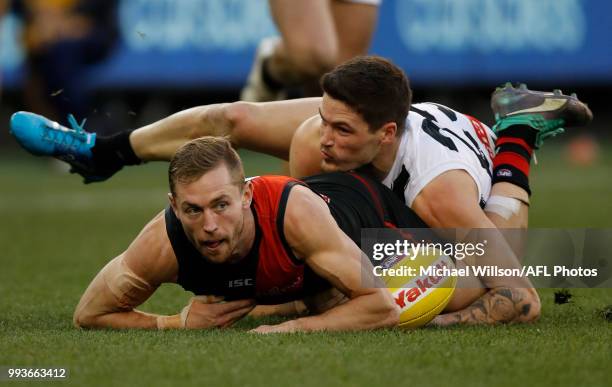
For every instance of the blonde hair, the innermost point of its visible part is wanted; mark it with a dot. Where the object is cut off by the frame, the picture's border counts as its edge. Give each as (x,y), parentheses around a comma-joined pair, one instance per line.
(199,156)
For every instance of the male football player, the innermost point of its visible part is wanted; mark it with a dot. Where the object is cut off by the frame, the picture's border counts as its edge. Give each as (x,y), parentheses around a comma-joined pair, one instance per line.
(270,239)
(440,161)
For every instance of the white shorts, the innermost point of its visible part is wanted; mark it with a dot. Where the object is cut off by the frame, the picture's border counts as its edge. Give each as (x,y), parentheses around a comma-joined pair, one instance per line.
(367,2)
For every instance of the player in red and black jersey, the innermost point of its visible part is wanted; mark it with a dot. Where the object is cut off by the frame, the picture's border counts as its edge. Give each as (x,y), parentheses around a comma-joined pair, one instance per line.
(440,161)
(268,240)
(270,272)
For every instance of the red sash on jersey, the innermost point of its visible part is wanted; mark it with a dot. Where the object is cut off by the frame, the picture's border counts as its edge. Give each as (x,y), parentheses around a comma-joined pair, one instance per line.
(279,273)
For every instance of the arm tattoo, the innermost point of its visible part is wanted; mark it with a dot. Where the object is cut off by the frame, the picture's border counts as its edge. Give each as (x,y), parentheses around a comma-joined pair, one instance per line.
(502,305)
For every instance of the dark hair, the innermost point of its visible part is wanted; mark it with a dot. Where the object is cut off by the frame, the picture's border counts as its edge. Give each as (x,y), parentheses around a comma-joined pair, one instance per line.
(199,156)
(372,86)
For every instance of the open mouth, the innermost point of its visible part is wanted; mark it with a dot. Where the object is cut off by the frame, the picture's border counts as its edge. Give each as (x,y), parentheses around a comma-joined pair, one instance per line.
(211,245)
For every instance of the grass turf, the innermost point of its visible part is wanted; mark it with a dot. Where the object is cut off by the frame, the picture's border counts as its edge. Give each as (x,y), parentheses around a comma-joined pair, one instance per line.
(57,233)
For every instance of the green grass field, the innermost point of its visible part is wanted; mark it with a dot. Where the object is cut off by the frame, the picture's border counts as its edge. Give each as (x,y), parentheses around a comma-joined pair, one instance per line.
(56,233)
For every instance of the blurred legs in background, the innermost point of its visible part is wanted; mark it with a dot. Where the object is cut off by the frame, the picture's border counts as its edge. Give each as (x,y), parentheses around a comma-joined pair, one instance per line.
(316,35)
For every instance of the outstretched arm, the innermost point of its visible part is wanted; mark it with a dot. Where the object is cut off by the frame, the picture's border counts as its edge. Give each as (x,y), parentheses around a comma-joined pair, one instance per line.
(131,278)
(451,201)
(314,236)
(500,305)
(127,281)
(289,309)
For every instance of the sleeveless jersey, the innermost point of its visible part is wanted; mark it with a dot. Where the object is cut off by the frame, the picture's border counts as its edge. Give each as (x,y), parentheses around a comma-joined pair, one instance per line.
(271,273)
(438,139)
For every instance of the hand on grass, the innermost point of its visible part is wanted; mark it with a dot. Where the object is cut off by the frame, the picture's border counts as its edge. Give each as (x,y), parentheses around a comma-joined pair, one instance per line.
(286,327)
(211,312)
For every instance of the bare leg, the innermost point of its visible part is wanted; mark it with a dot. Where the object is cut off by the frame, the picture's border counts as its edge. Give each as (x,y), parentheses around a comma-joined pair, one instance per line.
(309,44)
(264,127)
(355,25)
(517,220)
(317,35)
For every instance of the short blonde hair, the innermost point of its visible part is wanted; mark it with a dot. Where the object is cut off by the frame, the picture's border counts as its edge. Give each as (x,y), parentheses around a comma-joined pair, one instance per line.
(199,156)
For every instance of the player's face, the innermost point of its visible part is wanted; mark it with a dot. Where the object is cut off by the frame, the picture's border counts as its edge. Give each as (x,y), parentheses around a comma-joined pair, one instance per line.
(346,142)
(212,211)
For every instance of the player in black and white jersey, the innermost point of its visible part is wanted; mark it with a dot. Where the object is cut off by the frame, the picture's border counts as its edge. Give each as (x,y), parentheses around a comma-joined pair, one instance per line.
(438,139)
(440,161)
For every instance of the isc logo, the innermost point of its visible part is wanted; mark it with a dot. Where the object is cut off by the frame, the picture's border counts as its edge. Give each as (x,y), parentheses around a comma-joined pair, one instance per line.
(237,283)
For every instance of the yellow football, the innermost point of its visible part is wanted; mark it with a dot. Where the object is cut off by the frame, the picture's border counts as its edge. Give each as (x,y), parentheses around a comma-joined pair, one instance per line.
(421,287)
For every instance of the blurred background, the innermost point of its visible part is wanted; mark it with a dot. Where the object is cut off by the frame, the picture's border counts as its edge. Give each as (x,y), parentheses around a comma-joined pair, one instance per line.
(133,61)
(126,63)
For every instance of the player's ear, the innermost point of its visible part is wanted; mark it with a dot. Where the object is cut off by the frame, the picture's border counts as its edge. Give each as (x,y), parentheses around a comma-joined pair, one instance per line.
(388,132)
(172,201)
(247,194)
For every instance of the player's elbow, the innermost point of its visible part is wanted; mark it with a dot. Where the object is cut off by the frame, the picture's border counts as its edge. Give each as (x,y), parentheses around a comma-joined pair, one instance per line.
(525,307)
(389,312)
(531,307)
(82,318)
(536,311)
(392,317)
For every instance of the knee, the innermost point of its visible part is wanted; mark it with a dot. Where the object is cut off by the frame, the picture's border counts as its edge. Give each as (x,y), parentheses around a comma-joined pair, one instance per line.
(312,59)
(239,117)
(221,120)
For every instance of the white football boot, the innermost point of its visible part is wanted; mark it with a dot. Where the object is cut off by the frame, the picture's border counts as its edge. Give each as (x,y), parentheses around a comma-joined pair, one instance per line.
(256,89)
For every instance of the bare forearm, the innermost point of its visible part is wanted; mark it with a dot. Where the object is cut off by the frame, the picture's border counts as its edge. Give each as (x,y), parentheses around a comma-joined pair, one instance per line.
(361,313)
(111,298)
(295,308)
(508,299)
(119,320)
(500,305)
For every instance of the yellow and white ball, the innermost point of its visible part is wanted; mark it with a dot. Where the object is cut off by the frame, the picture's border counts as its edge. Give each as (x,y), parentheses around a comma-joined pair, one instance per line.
(420,296)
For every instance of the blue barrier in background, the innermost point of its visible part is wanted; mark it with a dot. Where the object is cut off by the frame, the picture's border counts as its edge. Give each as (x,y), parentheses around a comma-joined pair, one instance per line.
(210,43)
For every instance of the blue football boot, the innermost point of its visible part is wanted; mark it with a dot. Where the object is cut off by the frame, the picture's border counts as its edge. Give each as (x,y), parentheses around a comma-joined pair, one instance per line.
(43,137)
